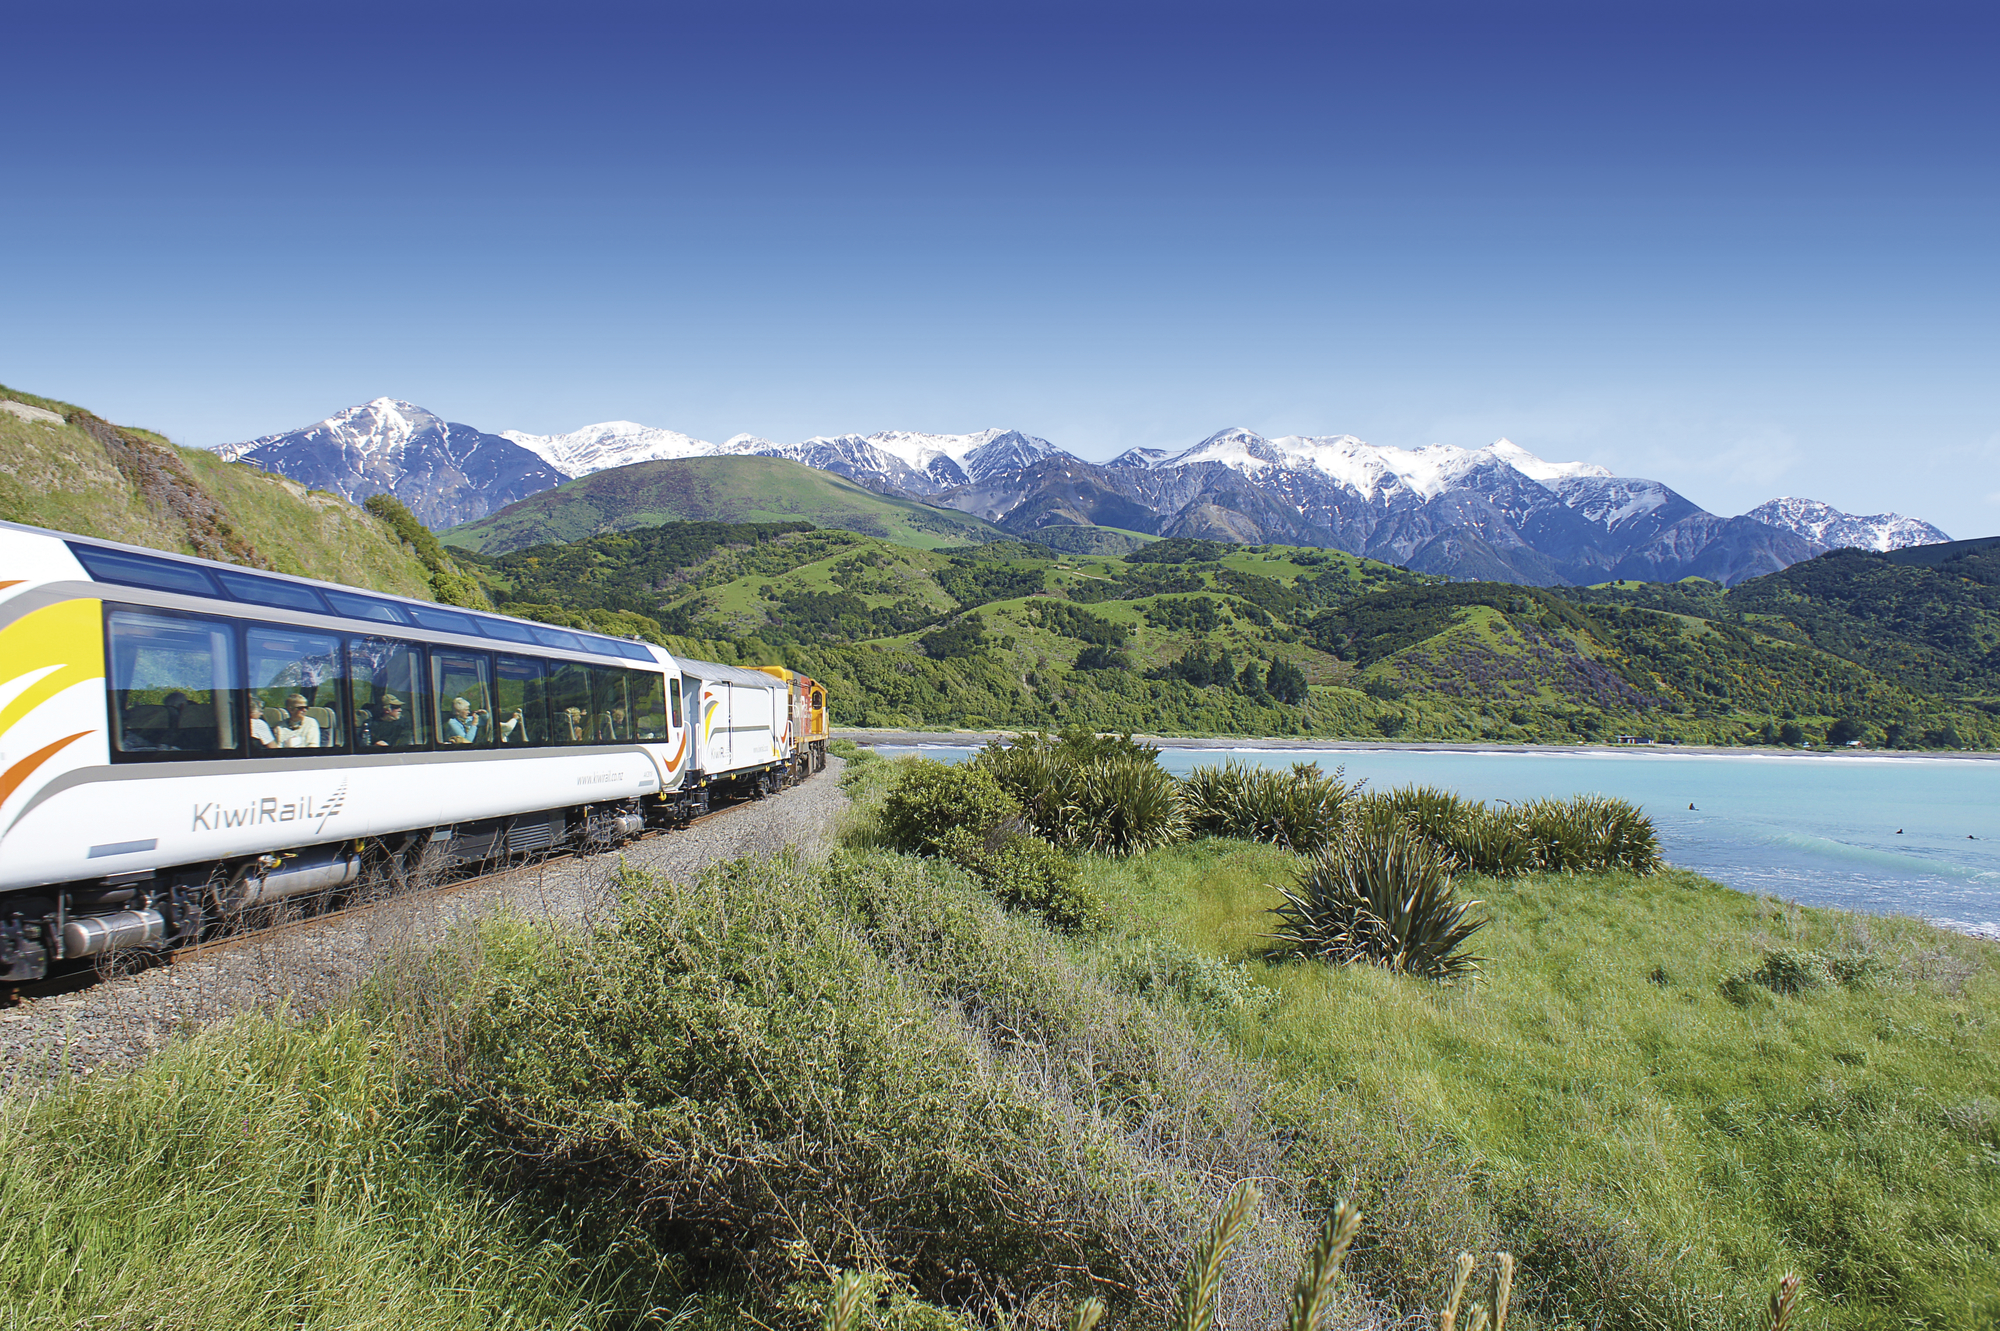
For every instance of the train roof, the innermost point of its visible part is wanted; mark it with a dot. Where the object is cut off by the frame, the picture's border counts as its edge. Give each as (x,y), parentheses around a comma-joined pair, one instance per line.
(715,671)
(156,570)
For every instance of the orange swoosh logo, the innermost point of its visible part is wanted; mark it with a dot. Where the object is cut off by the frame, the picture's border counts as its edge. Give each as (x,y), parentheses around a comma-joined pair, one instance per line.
(21,771)
(673,763)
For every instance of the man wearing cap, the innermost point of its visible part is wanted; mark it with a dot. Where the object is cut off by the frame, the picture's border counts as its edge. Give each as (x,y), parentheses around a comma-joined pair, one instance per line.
(391,729)
(295,729)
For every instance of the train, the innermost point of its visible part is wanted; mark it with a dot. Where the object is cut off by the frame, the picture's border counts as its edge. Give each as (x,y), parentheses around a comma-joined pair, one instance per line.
(187,744)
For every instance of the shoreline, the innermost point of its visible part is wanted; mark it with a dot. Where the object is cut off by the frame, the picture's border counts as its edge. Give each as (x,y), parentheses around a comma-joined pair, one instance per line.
(976,738)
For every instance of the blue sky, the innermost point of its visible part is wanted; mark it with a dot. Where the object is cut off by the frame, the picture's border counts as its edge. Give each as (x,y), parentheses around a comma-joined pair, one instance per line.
(1746,249)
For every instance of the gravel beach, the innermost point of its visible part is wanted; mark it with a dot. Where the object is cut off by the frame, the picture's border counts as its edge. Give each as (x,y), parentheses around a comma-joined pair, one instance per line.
(119,1019)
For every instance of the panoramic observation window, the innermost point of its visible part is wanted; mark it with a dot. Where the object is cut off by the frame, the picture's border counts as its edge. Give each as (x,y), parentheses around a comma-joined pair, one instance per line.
(442,621)
(611,711)
(386,680)
(366,607)
(135,570)
(463,689)
(173,687)
(295,696)
(569,702)
(505,629)
(648,698)
(271,592)
(520,702)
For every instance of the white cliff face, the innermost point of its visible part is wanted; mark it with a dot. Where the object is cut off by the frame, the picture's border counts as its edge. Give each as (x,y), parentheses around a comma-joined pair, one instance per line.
(1827,526)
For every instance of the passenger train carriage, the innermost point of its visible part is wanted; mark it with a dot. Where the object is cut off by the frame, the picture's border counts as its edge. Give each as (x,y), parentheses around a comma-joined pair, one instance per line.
(183,740)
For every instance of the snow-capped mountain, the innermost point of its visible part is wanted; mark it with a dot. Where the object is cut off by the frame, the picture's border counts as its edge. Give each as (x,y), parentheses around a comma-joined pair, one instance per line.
(1367,469)
(1498,512)
(444,473)
(615,444)
(1828,527)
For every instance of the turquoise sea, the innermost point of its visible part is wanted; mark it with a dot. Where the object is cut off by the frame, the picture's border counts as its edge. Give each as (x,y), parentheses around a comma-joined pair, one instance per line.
(1893,835)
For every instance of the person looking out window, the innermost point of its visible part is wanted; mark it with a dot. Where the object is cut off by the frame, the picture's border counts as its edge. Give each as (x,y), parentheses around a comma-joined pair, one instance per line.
(296,730)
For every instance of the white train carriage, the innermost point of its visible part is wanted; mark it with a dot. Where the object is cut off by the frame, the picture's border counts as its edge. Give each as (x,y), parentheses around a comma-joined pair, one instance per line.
(181,740)
(741,723)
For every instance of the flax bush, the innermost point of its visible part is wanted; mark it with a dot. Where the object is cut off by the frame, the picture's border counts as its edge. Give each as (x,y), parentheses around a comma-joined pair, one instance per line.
(1381,894)
(1082,792)
(1301,809)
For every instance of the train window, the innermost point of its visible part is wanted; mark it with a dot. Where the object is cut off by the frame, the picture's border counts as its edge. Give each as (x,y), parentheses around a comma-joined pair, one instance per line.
(295,699)
(386,681)
(674,700)
(520,700)
(136,570)
(569,702)
(442,621)
(505,629)
(649,703)
(463,688)
(174,693)
(271,592)
(366,607)
(549,637)
(819,701)
(611,708)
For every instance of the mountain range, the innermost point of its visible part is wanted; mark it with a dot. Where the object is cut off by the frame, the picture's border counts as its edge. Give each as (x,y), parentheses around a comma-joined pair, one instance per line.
(1498,513)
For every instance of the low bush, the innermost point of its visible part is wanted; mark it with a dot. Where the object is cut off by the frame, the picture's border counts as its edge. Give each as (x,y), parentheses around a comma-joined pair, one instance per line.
(1381,894)
(783,1068)
(1084,792)
(1589,834)
(1302,809)
(1027,872)
(931,801)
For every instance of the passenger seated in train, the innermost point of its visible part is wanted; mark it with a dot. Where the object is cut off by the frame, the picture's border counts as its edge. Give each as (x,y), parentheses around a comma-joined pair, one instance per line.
(390,728)
(573,721)
(462,726)
(261,736)
(514,727)
(295,729)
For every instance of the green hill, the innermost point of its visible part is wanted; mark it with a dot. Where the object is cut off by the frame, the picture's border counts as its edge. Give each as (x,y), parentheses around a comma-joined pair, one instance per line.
(1200,637)
(93,478)
(752,490)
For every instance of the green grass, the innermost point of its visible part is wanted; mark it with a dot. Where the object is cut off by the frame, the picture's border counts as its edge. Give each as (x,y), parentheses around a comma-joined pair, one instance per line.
(1851,1133)
(265,1175)
(61,478)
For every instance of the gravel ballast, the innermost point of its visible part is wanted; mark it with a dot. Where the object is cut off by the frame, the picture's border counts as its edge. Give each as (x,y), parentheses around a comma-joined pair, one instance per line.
(307,965)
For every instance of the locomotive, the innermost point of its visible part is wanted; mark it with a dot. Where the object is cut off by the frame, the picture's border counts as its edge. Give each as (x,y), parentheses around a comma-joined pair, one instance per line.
(184,743)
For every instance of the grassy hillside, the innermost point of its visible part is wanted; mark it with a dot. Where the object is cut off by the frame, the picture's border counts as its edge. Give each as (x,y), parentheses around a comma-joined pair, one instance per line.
(95,479)
(1658,1095)
(1198,637)
(646,494)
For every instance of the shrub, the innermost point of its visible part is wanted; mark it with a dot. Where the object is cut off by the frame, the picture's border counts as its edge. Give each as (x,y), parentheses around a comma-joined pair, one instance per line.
(786,1067)
(1301,810)
(1381,894)
(1027,872)
(932,799)
(1589,834)
(1084,792)
(1478,839)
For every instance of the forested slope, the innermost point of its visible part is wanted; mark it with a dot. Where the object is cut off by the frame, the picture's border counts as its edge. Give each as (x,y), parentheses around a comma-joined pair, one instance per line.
(1189,636)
